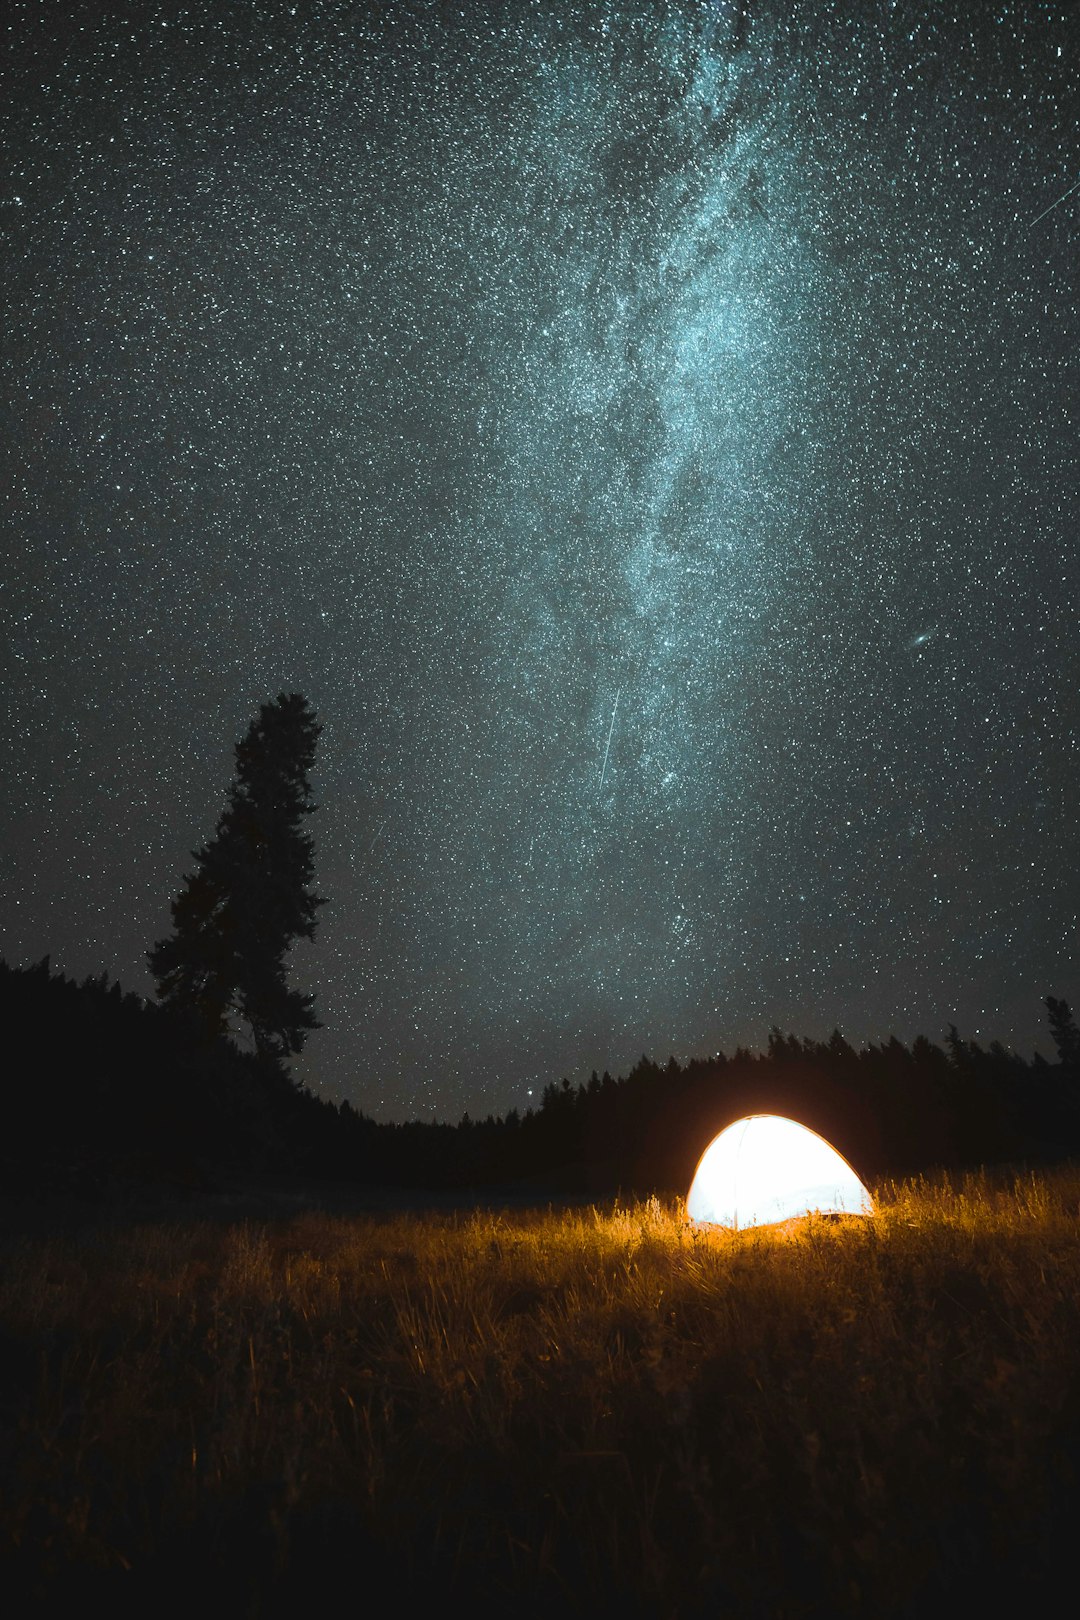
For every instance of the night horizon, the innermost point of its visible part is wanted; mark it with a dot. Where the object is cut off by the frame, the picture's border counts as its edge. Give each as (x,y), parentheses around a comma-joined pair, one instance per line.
(648,438)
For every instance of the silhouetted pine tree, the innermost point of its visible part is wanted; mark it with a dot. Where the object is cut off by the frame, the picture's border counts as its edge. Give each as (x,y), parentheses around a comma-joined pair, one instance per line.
(1064,1031)
(250,896)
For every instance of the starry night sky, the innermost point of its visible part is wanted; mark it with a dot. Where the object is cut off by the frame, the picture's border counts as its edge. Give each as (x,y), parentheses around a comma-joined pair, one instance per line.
(650,437)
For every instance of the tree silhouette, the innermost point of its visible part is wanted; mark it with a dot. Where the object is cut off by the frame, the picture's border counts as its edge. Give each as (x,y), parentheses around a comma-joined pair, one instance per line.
(250,894)
(1064,1031)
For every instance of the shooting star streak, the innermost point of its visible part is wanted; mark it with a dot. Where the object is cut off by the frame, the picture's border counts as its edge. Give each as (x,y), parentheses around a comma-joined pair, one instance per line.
(1054,204)
(607,750)
(369,852)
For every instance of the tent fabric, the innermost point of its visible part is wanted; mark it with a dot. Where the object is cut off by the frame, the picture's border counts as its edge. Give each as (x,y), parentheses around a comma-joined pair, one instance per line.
(766,1168)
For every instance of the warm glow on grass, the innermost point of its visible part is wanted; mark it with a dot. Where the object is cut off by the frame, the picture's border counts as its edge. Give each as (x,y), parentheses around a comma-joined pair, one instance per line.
(765,1169)
(587,1411)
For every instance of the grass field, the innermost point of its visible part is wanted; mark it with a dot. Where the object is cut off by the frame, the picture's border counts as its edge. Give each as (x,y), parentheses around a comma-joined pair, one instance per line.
(547,1413)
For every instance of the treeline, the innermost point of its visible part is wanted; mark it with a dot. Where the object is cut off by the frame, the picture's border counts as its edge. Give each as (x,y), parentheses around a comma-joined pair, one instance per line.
(891,1109)
(112,1090)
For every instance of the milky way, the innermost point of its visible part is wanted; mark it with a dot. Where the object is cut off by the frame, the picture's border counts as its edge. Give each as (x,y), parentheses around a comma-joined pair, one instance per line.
(647,434)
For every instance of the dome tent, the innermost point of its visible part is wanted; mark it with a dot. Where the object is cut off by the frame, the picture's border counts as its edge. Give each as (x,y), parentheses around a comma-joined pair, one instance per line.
(765,1168)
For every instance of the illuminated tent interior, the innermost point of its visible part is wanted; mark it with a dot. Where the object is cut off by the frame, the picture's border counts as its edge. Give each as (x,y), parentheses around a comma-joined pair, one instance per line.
(765,1168)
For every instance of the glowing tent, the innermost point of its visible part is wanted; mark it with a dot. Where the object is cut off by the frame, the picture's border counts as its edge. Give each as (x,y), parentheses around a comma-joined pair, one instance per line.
(765,1168)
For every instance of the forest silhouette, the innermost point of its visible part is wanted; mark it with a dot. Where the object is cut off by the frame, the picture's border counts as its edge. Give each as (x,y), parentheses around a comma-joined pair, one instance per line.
(126,1092)
(122,1092)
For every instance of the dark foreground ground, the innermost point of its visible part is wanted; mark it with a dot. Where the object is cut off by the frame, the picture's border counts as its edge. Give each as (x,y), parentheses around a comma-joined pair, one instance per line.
(579,1411)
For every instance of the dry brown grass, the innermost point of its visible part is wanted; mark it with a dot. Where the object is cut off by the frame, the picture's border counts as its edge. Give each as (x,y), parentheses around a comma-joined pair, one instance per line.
(552,1413)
